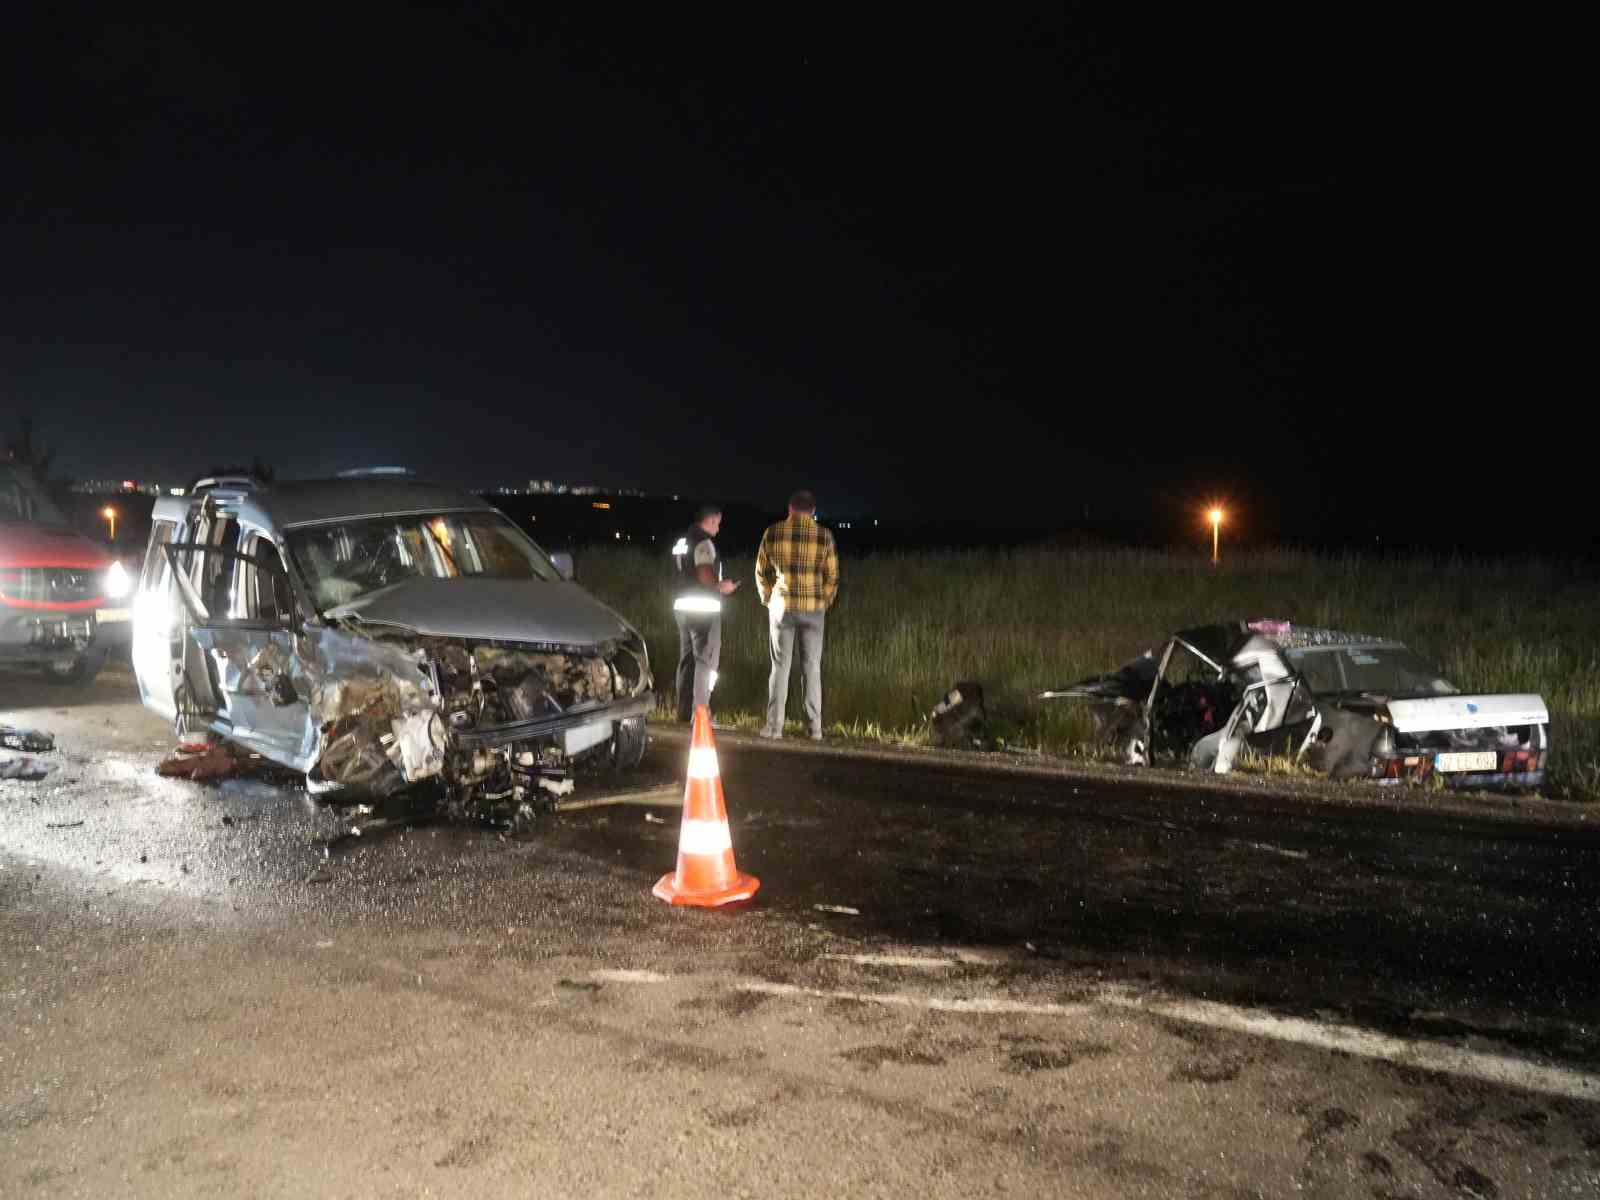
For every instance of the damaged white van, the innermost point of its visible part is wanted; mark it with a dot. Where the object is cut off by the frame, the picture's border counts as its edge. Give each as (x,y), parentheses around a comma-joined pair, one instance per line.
(375,631)
(1351,705)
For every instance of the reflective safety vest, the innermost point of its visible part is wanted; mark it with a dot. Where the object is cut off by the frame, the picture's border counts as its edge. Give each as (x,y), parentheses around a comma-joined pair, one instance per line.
(688,593)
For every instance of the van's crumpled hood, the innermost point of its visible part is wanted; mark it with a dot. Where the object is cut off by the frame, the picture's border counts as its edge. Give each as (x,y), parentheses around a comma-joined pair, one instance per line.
(1467,712)
(501,610)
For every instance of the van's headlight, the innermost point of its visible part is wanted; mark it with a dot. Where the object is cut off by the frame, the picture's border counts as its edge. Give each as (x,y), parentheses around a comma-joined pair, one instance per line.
(118,584)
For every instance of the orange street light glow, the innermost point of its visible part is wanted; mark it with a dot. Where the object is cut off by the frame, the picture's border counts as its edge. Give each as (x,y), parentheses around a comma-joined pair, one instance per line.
(110,514)
(1215,517)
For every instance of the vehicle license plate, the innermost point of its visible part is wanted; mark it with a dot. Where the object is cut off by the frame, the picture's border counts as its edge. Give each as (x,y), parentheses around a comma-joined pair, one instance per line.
(1471,760)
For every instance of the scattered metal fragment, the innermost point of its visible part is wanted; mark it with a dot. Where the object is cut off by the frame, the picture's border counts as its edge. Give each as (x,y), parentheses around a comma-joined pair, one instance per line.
(62,824)
(842,909)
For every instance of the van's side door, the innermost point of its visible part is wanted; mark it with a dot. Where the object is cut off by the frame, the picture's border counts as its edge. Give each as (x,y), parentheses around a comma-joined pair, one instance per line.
(155,612)
(239,659)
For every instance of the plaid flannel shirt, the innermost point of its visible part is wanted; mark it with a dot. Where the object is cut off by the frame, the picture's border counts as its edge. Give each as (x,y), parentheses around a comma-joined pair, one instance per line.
(797,560)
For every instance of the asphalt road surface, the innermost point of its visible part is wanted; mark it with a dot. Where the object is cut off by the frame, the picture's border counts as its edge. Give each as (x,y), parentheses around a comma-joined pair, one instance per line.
(953,982)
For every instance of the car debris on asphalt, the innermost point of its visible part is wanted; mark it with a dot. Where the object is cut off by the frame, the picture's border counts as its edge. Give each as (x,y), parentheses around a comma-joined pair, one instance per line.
(220,760)
(21,766)
(30,740)
(24,766)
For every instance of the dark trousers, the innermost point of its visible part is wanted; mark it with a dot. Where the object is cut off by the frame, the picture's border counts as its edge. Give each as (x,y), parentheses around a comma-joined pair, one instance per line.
(699,651)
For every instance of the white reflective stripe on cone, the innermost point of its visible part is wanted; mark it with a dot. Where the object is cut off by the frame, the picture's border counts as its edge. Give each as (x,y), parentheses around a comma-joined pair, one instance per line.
(704,837)
(703,762)
(697,604)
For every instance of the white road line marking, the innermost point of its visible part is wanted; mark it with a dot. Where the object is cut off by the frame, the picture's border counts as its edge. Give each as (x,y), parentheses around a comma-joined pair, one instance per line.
(1499,1069)
(1271,849)
(1425,1056)
(671,795)
(629,977)
(980,1004)
(894,960)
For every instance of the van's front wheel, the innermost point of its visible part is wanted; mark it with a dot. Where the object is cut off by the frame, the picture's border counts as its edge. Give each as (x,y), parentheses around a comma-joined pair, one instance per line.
(628,743)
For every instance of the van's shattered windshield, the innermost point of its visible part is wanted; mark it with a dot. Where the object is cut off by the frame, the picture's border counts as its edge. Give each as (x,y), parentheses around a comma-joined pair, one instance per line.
(345,561)
(1382,670)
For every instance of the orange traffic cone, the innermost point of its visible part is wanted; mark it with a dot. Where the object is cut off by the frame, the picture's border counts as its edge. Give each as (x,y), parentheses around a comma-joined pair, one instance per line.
(706,874)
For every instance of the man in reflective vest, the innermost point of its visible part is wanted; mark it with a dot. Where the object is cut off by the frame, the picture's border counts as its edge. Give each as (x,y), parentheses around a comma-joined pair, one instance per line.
(697,591)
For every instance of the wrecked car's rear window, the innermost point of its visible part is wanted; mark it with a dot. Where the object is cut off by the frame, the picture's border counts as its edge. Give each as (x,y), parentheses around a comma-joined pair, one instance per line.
(1383,670)
(346,561)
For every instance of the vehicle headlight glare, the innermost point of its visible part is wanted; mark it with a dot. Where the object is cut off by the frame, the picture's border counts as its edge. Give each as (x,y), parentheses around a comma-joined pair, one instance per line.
(118,584)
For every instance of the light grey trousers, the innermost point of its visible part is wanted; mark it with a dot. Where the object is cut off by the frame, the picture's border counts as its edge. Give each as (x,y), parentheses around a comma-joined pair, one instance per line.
(699,651)
(806,628)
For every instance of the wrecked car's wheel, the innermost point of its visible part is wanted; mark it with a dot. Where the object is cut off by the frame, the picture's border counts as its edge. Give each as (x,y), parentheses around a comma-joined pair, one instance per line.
(78,670)
(627,744)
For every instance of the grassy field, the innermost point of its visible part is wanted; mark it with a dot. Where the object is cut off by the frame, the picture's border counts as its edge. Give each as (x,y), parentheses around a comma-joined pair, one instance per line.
(908,625)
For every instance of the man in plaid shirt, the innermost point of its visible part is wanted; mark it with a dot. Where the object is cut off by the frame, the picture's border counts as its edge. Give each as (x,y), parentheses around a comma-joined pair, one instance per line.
(797,574)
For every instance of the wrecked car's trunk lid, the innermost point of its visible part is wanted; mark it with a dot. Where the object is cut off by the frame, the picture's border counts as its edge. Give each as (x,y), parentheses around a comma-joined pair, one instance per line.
(498,610)
(1467,712)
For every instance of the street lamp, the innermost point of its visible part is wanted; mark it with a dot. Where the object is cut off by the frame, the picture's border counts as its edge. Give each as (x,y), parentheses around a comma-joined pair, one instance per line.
(110,514)
(1215,517)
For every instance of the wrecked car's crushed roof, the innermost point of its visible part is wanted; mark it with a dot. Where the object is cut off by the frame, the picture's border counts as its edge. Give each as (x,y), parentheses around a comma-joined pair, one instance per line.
(1220,642)
(306,501)
(1305,637)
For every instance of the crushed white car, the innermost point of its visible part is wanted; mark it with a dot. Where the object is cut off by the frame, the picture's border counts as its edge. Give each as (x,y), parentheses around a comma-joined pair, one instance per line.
(1349,704)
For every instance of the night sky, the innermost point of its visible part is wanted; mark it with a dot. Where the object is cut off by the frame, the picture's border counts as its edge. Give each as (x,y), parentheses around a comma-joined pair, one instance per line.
(1003,265)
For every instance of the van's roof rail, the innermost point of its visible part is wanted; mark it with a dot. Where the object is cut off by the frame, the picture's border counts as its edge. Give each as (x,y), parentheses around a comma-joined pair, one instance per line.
(357,472)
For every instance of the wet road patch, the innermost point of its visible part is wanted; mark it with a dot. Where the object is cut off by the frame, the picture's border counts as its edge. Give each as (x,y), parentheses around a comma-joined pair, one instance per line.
(906,1055)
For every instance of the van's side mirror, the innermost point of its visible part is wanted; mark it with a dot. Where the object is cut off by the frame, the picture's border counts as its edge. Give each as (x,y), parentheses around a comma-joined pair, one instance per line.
(563,563)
